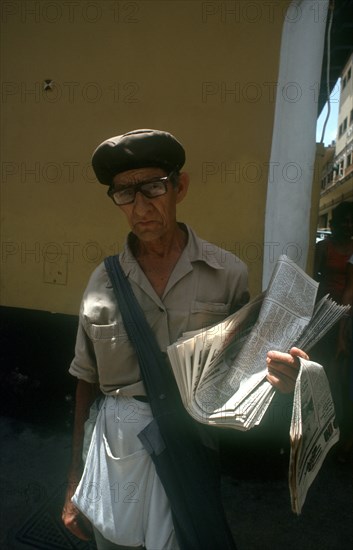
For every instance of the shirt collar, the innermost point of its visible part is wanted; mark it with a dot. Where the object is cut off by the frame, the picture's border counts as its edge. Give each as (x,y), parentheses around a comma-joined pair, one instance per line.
(200,250)
(196,250)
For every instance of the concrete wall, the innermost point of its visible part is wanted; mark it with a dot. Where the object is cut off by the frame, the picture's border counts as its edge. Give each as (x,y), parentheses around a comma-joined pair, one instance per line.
(206,71)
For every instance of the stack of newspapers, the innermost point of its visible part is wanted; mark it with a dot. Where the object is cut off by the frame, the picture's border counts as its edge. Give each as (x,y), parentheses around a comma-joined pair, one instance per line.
(221,370)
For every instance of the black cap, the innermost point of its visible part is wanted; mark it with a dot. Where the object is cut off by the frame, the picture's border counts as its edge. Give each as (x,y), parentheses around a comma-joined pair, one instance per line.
(137,149)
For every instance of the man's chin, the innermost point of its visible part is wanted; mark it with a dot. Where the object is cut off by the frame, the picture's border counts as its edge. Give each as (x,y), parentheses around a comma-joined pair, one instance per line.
(147,231)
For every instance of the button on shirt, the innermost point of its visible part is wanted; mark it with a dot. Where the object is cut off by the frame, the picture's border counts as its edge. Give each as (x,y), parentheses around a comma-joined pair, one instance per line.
(206,285)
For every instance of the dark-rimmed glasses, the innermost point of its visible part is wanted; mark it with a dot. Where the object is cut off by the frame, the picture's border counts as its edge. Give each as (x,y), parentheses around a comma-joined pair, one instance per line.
(125,194)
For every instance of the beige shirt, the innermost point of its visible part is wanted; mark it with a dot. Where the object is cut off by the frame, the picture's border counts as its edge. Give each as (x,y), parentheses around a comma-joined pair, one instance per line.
(206,285)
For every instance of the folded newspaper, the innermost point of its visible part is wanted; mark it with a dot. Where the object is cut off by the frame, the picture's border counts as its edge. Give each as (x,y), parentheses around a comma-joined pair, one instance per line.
(221,370)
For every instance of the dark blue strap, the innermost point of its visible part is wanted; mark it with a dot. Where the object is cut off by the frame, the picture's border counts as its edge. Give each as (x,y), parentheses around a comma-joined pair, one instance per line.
(157,376)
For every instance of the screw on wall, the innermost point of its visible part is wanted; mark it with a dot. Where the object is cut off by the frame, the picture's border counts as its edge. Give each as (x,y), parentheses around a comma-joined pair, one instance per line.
(48,84)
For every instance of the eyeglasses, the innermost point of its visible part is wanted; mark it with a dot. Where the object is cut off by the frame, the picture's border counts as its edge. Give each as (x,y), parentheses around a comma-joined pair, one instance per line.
(125,194)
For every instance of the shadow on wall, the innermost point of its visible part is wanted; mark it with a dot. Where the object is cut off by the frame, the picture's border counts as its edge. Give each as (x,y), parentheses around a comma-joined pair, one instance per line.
(36,349)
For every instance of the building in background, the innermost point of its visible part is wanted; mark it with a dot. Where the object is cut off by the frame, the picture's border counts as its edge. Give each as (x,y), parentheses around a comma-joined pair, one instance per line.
(337,171)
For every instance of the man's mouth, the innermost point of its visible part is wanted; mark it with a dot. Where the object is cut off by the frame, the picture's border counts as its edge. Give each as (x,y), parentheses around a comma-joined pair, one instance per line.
(145,222)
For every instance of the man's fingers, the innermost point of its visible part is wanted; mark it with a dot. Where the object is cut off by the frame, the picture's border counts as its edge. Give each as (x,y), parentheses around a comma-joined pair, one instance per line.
(83,528)
(283,368)
(296,352)
(77,523)
(78,529)
(282,371)
(281,383)
(279,359)
(282,362)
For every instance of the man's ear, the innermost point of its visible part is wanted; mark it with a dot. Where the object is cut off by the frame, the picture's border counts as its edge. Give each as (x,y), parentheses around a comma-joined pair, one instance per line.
(183,185)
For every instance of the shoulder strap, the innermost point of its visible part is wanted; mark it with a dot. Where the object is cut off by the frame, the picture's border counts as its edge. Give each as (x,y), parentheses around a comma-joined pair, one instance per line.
(157,376)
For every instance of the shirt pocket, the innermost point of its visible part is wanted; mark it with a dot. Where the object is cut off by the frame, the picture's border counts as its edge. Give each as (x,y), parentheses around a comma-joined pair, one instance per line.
(113,332)
(114,354)
(204,314)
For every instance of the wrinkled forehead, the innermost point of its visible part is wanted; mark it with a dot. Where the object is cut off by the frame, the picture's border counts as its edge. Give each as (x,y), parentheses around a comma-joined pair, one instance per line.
(136,175)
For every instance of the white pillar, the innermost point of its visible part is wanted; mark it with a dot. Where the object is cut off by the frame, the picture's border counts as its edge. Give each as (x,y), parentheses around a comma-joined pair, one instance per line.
(292,159)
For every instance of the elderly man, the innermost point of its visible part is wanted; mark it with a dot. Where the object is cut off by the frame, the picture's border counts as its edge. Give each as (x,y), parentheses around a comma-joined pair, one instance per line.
(182,283)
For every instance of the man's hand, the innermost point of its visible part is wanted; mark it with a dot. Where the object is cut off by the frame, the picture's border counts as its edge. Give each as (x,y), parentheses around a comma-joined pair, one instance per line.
(283,368)
(74,521)
(72,518)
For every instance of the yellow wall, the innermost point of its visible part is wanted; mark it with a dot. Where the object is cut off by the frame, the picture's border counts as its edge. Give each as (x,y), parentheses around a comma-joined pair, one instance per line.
(205,71)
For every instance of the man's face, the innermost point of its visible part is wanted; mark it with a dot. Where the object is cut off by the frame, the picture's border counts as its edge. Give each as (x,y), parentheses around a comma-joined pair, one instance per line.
(151,219)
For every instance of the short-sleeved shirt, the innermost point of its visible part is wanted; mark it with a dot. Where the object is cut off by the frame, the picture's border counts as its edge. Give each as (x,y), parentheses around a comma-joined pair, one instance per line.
(207,284)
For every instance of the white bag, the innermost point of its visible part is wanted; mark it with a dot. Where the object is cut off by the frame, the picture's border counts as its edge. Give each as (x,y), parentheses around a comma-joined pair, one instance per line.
(120,493)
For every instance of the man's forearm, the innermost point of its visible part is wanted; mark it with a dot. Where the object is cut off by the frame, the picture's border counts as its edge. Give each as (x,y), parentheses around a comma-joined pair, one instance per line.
(86,393)
(72,518)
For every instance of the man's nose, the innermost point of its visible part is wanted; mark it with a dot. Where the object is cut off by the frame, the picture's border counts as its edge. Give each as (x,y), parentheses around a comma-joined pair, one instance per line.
(141,203)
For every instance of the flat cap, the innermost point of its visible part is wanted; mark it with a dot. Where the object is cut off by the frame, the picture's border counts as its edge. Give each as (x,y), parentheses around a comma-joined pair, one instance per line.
(137,149)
